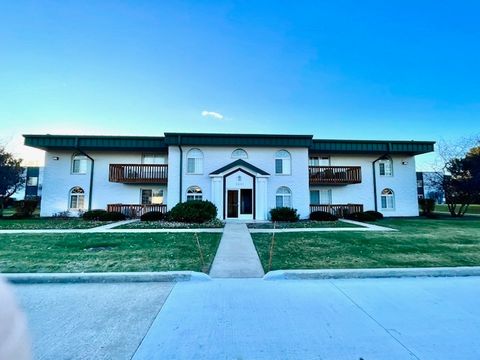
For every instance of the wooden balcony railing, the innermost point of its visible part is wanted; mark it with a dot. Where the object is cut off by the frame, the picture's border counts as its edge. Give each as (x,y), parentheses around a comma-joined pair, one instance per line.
(339,210)
(136,210)
(138,173)
(334,175)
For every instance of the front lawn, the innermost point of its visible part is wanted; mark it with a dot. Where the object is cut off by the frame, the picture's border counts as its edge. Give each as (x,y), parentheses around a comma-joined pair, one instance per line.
(419,242)
(213,224)
(306,224)
(106,252)
(48,223)
(472,209)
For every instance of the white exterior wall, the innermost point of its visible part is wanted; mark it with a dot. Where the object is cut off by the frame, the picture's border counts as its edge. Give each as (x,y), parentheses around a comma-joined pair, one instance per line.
(58,180)
(403,183)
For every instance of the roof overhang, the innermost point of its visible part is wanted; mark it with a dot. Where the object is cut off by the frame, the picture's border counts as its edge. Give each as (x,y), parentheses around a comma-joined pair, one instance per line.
(371,146)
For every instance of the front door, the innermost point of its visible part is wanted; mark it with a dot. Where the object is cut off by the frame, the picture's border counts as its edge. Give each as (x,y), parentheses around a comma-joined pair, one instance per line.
(232,204)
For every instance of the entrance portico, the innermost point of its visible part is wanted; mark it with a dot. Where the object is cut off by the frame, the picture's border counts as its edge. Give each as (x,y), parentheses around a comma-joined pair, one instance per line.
(239,191)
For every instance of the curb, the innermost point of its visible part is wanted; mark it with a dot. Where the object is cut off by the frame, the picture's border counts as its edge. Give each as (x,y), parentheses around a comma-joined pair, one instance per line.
(371,273)
(120,277)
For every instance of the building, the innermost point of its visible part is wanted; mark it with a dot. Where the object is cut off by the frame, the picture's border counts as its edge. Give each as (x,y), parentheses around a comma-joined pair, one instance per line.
(428,186)
(33,182)
(244,175)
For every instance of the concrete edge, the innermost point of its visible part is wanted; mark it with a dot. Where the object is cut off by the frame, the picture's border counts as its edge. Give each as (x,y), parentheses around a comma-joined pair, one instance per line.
(371,273)
(111,277)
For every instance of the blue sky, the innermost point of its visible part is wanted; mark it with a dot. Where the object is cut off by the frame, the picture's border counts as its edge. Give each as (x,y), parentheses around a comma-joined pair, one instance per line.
(337,69)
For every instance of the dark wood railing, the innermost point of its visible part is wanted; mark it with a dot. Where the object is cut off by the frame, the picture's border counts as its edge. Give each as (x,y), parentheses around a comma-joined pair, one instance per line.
(138,173)
(136,210)
(339,210)
(334,175)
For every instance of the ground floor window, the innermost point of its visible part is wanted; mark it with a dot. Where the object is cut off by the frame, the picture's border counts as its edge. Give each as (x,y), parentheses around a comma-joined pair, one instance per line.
(77,198)
(387,199)
(151,196)
(283,197)
(194,193)
(321,197)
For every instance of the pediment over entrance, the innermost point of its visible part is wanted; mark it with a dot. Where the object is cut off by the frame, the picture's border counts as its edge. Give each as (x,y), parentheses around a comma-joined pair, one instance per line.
(239,163)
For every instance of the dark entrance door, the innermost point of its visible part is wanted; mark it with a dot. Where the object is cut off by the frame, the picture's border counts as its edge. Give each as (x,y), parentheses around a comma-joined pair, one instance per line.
(232,204)
(246,201)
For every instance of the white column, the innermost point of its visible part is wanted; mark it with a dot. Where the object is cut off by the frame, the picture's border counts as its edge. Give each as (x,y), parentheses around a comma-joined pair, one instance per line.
(261,199)
(217,195)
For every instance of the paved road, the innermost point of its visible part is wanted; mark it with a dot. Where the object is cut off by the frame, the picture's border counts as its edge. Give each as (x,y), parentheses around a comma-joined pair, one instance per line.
(409,318)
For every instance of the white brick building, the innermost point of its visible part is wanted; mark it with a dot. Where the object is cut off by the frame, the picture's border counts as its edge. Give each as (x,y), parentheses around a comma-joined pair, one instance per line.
(243,175)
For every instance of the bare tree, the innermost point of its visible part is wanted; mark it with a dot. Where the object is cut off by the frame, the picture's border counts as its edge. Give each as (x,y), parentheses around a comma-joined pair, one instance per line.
(11,176)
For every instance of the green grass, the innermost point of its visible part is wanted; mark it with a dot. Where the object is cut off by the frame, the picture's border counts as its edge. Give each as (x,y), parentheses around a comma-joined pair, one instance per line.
(105,252)
(306,224)
(48,223)
(418,243)
(472,209)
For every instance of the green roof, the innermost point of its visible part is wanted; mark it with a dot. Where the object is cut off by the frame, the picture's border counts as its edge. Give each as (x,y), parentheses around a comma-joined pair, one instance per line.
(160,143)
(239,162)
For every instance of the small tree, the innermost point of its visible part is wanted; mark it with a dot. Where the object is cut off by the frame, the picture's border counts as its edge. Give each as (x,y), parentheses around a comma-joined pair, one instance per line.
(11,177)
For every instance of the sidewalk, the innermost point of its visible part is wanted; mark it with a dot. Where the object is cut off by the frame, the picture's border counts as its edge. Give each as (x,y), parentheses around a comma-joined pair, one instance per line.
(236,256)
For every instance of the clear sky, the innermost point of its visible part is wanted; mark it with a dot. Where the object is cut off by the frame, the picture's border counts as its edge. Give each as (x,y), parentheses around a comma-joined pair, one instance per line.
(338,69)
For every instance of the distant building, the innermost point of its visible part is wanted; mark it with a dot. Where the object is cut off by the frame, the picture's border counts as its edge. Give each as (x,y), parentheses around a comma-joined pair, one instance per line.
(33,182)
(426,188)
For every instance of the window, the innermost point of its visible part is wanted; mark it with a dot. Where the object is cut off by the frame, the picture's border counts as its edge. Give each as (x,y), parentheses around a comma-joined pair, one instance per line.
(388,199)
(283,197)
(386,167)
(239,154)
(194,162)
(151,196)
(321,197)
(77,198)
(319,161)
(150,159)
(79,164)
(283,162)
(194,193)
(32,181)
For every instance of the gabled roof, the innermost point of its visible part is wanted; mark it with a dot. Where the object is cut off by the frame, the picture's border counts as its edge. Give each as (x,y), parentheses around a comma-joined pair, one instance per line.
(241,163)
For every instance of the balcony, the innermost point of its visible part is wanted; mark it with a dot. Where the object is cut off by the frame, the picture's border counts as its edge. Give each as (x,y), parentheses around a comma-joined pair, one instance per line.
(339,210)
(136,210)
(138,173)
(334,175)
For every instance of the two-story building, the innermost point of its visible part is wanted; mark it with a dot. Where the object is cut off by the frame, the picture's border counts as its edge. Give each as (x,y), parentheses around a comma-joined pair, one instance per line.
(244,175)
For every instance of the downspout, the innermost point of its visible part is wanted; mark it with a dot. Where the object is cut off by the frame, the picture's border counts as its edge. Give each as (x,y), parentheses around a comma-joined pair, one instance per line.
(375,176)
(181,166)
(90,188)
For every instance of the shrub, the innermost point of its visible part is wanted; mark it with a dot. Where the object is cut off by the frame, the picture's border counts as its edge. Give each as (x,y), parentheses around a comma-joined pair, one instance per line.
(195,211)
(426,205)
(152,216)
(103,215)
(361,216)
(322,216)
(377,215)
(25,208)
(284,214)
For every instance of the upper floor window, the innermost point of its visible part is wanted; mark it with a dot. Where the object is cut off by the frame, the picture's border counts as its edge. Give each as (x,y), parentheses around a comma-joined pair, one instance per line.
(77,198)
(388,199)
(32,181)
(319,161)
(283,197)
(79,164)
(151,196)
(194,193)
(283,163)
(386,167)
(150,159)
(239,154)
(195,161)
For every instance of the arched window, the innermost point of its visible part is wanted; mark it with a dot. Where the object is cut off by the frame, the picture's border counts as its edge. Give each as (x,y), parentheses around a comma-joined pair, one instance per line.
(195,161)
(194,193)
(283,162)
(386,167)
(239,154)
(388,199)
(283,197)
(79,164)
(77,198)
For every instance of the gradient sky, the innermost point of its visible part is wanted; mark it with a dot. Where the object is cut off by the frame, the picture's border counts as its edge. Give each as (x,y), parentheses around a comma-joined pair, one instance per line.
(338,69)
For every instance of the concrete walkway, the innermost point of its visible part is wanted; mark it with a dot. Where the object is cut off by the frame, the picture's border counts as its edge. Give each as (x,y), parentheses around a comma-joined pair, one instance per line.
(236,256)
(361,227)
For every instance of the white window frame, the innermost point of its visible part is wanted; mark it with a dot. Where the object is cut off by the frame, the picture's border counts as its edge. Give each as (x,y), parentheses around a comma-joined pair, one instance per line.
(192,194)
(319,161)
(286,160)
(387,165)
(158,159)
(76,193)
(389,196)
(327,193)
(285,194)
(239,154)
(195,155)
(83,164)
(161,194)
